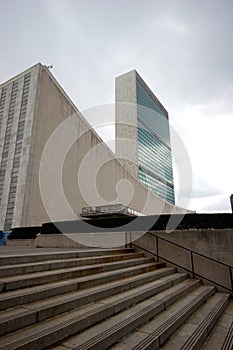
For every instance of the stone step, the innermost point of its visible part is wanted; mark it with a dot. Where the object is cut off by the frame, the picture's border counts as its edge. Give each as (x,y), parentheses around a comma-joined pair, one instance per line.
(228,342)
(49,332)
(107,298)
(221,336)
(29,280)
(19,317)
(48,265)
(27,295)
(110,331)
(193,334)
(160,328)
(51,255)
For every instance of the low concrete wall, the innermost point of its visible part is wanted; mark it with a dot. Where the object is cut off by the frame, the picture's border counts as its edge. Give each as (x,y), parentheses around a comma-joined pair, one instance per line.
(216,244)
(82,240)
(55,241)
(21,242)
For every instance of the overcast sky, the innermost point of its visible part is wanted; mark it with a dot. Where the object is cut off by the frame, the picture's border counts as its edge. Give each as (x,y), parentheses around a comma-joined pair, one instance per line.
(183,49)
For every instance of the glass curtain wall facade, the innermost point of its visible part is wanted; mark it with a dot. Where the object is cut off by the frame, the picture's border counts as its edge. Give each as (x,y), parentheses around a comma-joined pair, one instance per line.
(154,149)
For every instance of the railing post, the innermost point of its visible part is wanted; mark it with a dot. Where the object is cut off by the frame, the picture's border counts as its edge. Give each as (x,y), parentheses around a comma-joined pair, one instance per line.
(157,248)
(231,278)
(192,264)
(125,239)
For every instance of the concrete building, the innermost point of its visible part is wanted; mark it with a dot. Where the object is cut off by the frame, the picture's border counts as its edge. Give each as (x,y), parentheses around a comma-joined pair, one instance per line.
(142,119)
(32,106)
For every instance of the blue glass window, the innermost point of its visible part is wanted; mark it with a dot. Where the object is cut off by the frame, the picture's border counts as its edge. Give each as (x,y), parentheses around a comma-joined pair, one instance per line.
(154,152)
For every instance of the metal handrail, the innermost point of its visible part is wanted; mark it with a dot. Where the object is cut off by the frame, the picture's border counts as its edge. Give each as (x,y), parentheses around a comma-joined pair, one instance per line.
(185,248)
(192,261)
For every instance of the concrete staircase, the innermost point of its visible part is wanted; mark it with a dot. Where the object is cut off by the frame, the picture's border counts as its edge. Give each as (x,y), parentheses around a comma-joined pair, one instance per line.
(107,299)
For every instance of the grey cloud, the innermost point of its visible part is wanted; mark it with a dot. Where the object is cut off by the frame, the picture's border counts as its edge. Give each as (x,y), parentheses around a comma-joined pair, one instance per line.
(220,205)
(201,188)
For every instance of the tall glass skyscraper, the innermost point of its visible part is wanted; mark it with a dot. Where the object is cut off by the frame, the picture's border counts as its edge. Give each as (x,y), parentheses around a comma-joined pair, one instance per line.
(150,154)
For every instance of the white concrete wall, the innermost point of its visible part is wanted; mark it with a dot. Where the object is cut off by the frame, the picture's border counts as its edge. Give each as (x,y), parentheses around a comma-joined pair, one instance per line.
(126,121)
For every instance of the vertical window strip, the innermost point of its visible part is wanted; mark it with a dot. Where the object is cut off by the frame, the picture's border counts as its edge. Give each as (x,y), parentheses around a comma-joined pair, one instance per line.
(5,150)
(2,104)
(18,149)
